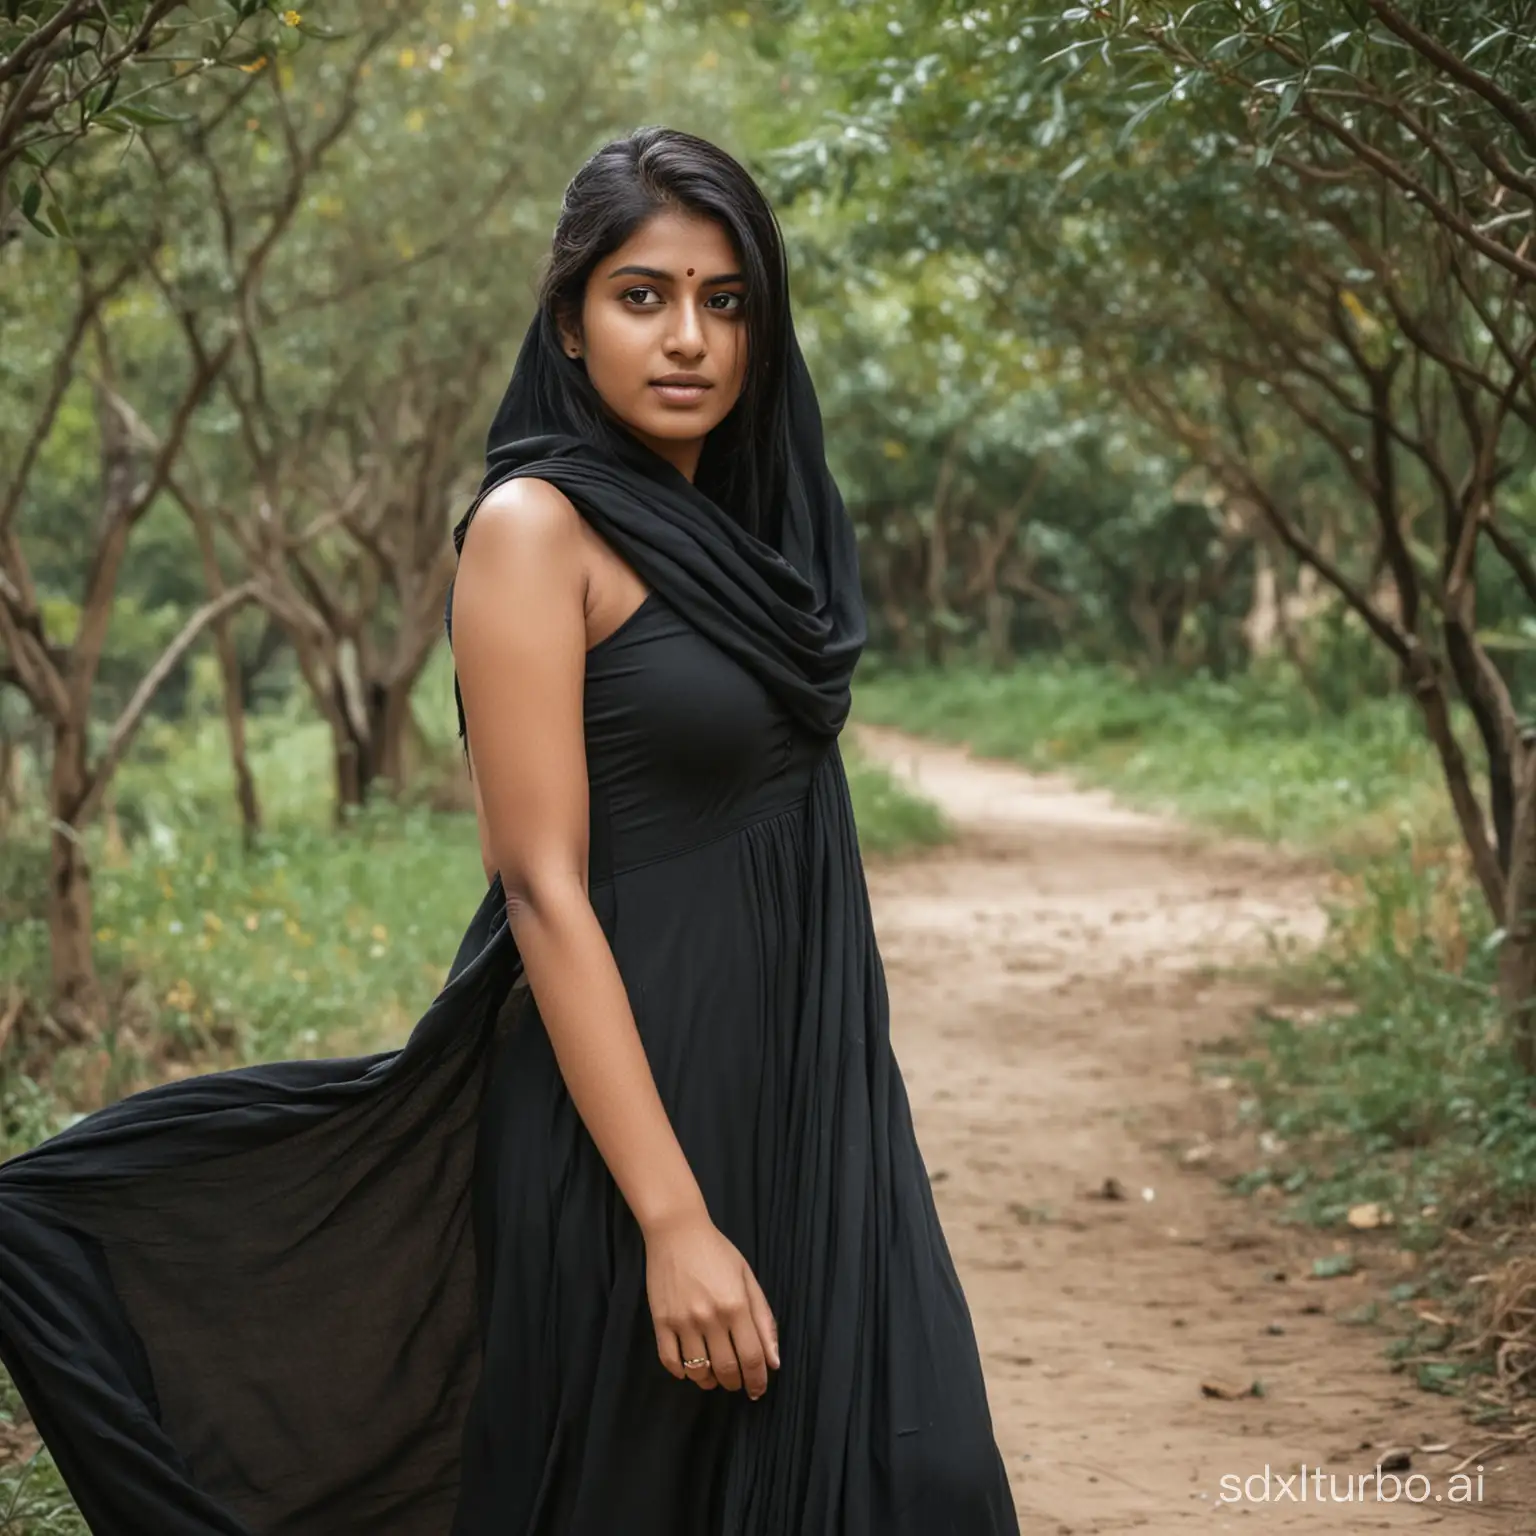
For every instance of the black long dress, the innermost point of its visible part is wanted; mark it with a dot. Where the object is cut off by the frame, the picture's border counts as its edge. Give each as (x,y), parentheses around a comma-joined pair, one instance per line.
(401,1295)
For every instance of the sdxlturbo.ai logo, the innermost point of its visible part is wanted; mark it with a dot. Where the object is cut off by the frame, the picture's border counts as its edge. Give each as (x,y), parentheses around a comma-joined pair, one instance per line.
(1313,1485)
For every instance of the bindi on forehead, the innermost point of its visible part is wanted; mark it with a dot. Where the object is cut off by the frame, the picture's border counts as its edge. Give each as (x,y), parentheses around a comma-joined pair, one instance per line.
(690,271)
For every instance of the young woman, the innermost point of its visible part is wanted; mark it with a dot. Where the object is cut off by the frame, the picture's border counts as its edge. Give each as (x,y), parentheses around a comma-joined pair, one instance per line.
(632,1237)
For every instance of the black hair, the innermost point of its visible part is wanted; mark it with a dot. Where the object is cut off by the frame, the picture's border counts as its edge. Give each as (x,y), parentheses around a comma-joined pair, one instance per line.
(627,182)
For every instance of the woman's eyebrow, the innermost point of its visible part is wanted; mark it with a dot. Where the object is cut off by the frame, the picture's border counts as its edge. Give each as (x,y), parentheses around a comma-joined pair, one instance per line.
(666,277)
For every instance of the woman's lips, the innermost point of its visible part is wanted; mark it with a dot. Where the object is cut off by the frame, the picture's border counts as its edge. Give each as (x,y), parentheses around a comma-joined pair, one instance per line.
(681,394)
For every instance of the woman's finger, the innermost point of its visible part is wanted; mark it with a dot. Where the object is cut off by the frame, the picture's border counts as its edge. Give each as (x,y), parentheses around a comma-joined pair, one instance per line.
(697,1361)
(751,1354)
(762,1316)
(670,1353)
(722,1358)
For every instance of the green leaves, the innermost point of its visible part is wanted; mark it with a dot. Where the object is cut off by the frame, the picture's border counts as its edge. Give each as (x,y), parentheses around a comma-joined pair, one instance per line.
(70,66)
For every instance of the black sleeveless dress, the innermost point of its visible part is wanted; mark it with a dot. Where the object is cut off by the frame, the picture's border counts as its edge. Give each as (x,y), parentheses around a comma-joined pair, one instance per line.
(400,1295)
(701,789)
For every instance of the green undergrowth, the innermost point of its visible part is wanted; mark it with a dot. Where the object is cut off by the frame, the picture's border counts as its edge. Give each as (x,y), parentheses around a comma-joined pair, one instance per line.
(1256,758)
(33,1498)
(890,818)
(1381,1073)
(316,942)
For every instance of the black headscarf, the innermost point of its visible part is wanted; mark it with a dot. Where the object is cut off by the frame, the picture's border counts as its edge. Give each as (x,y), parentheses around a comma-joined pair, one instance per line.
(791,611)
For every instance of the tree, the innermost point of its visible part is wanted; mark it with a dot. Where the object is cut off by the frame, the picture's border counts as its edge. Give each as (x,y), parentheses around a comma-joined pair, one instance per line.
(1293,240)
(348,442)
(125,259)
(67,66)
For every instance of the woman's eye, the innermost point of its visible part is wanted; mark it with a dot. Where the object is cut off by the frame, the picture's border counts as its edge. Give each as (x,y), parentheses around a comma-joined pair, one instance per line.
(637,298)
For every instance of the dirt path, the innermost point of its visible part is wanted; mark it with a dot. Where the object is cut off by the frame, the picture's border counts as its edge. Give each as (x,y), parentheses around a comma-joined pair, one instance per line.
(1050,975)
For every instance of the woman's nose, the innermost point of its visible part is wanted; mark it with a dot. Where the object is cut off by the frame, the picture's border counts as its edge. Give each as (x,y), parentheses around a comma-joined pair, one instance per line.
(687,330)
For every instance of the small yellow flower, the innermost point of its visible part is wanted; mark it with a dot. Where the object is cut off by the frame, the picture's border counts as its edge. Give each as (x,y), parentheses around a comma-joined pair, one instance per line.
(291,18)
(407,58)
(379,933)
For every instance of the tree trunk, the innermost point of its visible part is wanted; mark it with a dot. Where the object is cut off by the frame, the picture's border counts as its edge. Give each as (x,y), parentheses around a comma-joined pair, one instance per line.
(1423,680)
(352,767)
(935,636)
(76,992)
(1143,614)
(999,607)
(352,734)
(1517,955)
(390,706)
(10,779)
(239,759)
(1263,624)
(234,686)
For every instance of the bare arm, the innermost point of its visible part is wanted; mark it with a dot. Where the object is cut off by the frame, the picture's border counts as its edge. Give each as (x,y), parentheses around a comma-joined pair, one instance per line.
(520,630)
(519,612)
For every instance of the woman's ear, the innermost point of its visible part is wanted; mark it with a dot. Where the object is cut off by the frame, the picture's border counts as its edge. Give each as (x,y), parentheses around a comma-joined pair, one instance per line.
(570,338)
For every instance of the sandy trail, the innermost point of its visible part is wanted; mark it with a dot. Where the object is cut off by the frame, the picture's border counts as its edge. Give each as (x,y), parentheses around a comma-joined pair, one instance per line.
(1051,974)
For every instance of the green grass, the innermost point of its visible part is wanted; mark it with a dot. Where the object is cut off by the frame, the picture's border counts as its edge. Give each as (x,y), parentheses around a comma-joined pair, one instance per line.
(1255,758)
(312,944)
(1391,1082)
(891,819)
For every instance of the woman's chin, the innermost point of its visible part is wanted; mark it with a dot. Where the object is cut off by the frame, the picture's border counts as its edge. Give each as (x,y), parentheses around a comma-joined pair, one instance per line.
(671,426)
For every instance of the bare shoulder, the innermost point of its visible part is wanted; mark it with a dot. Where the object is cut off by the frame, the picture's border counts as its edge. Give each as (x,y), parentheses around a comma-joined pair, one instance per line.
(526,518)
(523,570)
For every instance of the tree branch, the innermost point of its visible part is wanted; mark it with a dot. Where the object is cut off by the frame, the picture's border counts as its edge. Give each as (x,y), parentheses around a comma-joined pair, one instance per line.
(1512,554)
(132,717)
(1389,168)
(1458,69)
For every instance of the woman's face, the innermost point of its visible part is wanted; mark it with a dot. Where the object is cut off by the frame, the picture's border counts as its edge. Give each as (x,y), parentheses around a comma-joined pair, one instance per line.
(667,305)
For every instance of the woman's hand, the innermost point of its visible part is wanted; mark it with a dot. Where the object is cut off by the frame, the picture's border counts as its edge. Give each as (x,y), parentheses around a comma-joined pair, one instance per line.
(706,1302)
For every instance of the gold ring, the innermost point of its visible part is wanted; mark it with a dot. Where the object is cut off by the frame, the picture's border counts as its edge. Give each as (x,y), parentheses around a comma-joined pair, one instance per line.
(693,1365)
